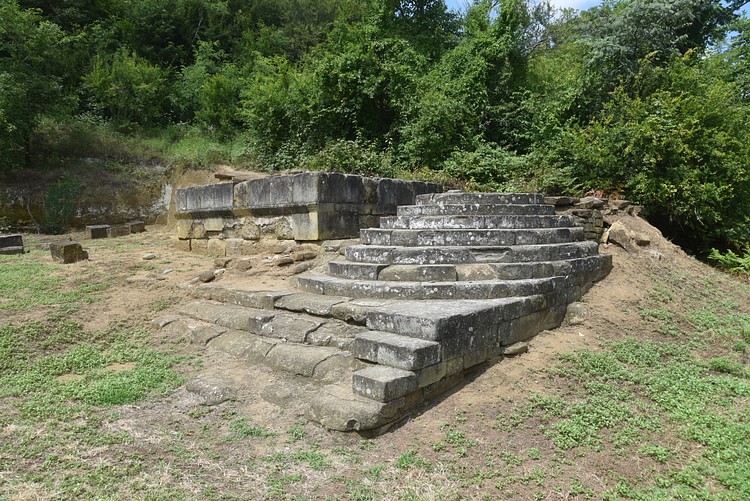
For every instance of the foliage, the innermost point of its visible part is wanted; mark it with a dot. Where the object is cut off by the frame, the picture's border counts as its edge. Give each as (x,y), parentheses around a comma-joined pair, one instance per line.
(127,89)
(731,262)
(678,148)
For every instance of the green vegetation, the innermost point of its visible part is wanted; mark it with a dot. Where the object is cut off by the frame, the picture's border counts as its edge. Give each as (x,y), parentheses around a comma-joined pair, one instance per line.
(644,98)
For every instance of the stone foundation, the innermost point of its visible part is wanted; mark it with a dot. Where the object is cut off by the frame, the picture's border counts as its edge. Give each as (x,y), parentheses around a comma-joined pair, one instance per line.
(226,218)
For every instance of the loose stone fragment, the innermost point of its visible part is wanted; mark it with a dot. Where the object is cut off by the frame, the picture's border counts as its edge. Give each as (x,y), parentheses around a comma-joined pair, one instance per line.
(206,276)
(68,252)
(97,231)
(515,349)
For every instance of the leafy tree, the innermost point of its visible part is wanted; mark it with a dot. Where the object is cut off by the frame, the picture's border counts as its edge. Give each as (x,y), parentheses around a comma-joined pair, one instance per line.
(30,79)
(128,89)
(680,149)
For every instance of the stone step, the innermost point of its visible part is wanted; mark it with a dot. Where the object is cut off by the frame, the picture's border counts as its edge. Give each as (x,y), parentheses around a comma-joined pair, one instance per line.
(401,352)
(475,210)
(320,284)
(264,300)
(449,237)
(463,198)
(467,272)
(319,363)
(281,325)
(382,254)
(474,222)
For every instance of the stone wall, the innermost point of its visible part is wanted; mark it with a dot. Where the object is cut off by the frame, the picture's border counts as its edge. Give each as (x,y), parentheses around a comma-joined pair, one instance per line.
(589,212)
(229,218)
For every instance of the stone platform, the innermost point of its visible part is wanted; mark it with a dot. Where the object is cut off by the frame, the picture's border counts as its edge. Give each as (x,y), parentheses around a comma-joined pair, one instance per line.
(439,289)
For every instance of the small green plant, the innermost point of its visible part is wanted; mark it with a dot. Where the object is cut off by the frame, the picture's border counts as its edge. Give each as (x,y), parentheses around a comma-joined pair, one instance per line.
(241,428)
(410,459)
(731,262)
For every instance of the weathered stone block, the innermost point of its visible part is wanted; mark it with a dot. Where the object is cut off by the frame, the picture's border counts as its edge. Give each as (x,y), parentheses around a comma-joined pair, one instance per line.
(118,231)
(68,252)
(216,247)
(11,244)
(208,198)
(402,352)
(383,383)
(182,245)
(199,245)
(97,231)
(233,246)
(136,226)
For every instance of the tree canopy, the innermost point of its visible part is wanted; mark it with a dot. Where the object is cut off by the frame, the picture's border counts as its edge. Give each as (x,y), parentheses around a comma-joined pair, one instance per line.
(648,99)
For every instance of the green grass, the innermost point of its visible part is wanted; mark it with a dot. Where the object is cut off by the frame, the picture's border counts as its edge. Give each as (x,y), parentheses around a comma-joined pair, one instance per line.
(28,285)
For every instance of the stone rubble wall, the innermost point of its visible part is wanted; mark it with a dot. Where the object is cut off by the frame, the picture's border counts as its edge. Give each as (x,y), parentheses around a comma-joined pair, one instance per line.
(589,212)
(231,218)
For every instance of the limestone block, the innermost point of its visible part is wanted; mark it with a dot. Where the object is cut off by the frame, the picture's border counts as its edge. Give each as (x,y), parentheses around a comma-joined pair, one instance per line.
(118,231)
(213,224)
(68,252)
(402,352)
(184,228)
(234,246)
(136,226)
(248,247)
(11,244)
(305,226)
(283,229)
(216,247)
(250,230)
(208,198)
(341,188)
(182,245)
(383,383)
(199,245)
(97,231)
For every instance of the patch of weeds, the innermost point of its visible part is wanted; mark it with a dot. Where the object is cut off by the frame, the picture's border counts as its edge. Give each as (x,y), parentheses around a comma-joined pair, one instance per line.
(358,492)
(655,452)
(296,433)
(511,459)
(577,488)
(534,454)
(27,285)
(313,458)
(163,303)
(278,482)
(348,454)
(410,459)
(375,472)
(241,428)
(726,366)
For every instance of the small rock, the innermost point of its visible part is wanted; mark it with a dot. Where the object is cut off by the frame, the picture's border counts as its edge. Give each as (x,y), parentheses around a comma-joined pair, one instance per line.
(222,262)
(304,256)
(620,235)
(576,313)
(163,321)
(282,260)
(206,276)
(218,273)
(167,271)
(212,394)
(279,248)
(590,203)
(515,349)
(243,265)
(303,267)
(619,204)
(641,240)
(150,256)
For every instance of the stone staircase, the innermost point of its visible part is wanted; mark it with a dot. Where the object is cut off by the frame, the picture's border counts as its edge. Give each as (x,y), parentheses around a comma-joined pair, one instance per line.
(438,289)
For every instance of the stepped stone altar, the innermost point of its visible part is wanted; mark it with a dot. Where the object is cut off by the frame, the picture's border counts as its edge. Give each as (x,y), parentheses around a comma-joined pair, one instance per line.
(437,290)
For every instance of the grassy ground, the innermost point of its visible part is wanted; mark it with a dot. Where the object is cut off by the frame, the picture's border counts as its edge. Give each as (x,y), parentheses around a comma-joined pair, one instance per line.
(651,400)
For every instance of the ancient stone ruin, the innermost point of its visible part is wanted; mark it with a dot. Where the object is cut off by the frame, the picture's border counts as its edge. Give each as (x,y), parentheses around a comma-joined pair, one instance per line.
(11,244)
(226,219)
(447,284)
